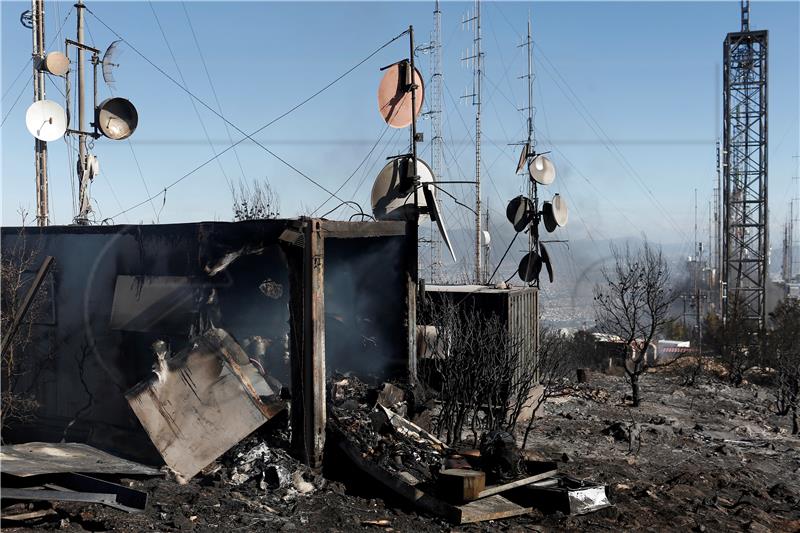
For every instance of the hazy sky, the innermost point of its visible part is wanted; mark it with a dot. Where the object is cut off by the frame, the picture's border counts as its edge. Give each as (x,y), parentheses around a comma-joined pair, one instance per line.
(628,98)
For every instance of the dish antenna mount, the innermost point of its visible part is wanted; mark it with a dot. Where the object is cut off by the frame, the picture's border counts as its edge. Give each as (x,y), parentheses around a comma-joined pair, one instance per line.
(405,189)
(115,118)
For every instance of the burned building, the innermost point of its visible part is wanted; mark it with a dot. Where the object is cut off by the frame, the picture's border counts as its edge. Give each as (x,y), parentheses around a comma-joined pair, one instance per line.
(301,298)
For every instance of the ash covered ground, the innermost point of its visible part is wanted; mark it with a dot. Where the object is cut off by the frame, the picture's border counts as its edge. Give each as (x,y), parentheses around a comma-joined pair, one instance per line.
(710,457)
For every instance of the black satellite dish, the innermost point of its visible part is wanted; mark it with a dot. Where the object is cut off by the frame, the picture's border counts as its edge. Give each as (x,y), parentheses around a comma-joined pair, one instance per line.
(529,267)
(520,212)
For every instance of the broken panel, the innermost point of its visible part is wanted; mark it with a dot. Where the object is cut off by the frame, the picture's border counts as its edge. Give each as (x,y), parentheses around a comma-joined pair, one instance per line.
(153,303)
(202,401)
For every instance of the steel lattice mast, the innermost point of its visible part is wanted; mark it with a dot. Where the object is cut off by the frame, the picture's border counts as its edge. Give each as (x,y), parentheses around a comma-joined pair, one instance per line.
(477,73)
(745,242)
(436,127)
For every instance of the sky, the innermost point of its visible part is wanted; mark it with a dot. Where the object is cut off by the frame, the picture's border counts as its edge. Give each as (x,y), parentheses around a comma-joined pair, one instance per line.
(627,97)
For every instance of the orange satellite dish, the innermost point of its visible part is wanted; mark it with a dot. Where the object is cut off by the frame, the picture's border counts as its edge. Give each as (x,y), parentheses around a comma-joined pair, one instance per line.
(394,98)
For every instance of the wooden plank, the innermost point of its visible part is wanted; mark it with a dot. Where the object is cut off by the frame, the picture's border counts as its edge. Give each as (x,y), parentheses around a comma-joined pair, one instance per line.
(314,357)
(410,429)
(30,515)
(497,489)
(491,508)
(8,335)
(199,405)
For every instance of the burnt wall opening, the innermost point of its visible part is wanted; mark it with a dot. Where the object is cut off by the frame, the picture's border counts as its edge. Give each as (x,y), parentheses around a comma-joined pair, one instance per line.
(365,307)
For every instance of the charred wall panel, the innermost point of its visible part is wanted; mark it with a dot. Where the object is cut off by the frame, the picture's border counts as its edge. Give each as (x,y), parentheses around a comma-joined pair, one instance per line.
(83,364)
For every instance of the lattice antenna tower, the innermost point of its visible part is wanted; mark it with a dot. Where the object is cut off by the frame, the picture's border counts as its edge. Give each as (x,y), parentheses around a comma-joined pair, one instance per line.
(476,59)
(533,192)
(745,237)
(437,147)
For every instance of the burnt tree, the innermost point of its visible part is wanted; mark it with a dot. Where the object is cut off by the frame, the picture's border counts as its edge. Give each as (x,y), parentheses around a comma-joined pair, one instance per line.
(783,351)
(633,303)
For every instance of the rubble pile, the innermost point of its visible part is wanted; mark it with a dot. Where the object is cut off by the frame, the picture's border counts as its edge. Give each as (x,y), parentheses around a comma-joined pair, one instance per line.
(355,414)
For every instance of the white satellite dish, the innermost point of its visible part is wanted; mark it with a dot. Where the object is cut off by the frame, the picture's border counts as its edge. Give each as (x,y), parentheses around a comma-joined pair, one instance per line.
(46,120)
(487,238)
(560,212)
(393,195)
(393,191)
(112,52)
(542,170)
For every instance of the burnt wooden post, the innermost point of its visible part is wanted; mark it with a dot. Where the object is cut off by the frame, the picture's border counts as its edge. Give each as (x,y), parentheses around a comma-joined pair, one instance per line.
(307,342)
(314,402)
(412,280)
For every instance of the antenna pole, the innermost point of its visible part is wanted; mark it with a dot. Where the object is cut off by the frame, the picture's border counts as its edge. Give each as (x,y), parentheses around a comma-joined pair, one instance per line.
(84,205)
(477,74)
(413,89)
(39,147)
(533,192)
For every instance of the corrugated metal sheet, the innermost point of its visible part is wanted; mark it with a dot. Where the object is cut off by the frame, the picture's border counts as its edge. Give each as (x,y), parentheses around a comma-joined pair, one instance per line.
(517,307)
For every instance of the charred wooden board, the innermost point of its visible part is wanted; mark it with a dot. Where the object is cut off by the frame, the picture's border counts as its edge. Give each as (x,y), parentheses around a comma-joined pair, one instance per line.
(491,508)
(497,489)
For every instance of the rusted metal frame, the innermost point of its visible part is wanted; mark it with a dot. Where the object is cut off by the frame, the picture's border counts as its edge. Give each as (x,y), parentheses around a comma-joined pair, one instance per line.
(8,336)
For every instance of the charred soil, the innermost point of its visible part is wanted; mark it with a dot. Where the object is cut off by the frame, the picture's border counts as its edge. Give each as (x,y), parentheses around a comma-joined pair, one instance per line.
(711,457)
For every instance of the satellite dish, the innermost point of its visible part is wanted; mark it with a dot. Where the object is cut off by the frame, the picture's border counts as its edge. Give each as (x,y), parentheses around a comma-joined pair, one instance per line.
(519,212)
(555,213)
(487,238)
(116,118)
(523,157)
(542,170)
(546,260)
(112,52)
(394,96)
(530,266)
(548,217)
(392,195)
(46,120)
(56,63)
(393,191)
(560,213)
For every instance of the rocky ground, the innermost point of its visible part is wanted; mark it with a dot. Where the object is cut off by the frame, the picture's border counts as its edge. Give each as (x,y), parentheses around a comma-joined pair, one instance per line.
(705,458)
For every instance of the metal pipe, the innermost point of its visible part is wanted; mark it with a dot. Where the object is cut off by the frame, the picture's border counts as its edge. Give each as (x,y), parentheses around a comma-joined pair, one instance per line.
(83,199)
